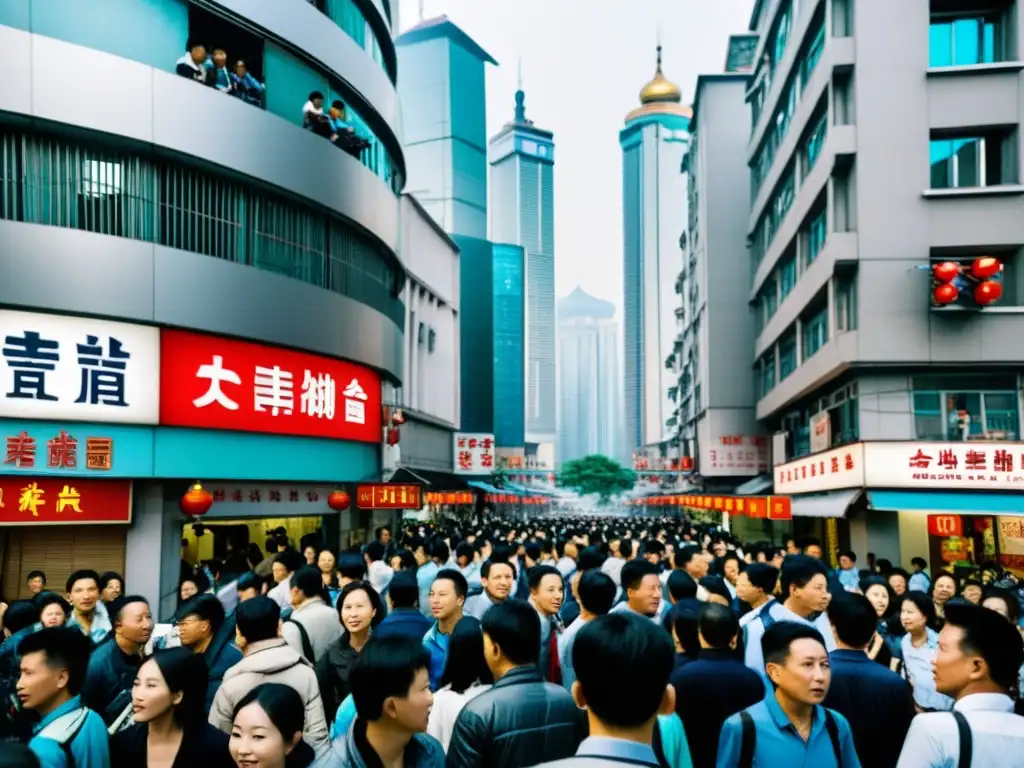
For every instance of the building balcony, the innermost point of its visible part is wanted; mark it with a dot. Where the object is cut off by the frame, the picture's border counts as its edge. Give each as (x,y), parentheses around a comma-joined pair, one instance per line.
(983,96)
(975,216)
(829,362)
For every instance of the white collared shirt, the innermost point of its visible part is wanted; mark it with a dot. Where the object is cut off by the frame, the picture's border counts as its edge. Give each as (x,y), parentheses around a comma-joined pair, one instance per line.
(997,734)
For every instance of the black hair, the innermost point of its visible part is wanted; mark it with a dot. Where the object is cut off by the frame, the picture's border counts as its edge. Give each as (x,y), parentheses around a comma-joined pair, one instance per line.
(15,755)
(465,664)
(464,549)
(715,585)
(485,569)
(351,566)
(386,667)
(718,625)
(763,576)
(920,562)
(536,575)
(315,95)
(653,547)
(610,649)
(849,553)
(635,571)
(683,619)
(969,582)
(258,619)
(372,595)
(686,554)
(681,585)
(458,581)
(282,704)
(514,626)
(310,582)
(532,550)
(880,581)
(407,559)
(65,648)
(403,590)
(1008,598)
(198,578)
(21,614)
(439,551)
(290,559)
(83,573)
(591,558)
(798,571)
(109,576)
(854,619)
(36,575)
(375,551)
(924,605)
(185,672)
(596,592)
(990,636)
(193,44)
(250,580)
(118,604)
(780,636)
(44,600)
(808,542)
(379,529)
(206,607)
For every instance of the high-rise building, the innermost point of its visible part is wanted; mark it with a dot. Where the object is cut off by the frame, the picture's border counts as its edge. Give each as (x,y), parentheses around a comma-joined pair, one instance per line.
(522,211)
(589,388)
(653,143)
(444,123)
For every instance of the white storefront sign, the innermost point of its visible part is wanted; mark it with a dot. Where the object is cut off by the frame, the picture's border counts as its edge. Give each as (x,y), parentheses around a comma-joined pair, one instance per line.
(474,453)
(268,500)
(827,471)
(821,431)
(955,466)
(62,368)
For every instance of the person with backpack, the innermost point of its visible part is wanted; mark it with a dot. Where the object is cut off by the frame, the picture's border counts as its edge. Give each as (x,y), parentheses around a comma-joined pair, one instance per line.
(313,624)
(790,726)
(53,665)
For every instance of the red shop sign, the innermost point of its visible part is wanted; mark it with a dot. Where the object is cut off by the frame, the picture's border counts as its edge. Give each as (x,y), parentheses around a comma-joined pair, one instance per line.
(64,500)
(945,525)
(210,382)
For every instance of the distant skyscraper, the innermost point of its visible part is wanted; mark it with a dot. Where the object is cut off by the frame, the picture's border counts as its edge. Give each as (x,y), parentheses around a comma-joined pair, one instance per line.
(444,122)
(589,388)
(522,210)
(654,202)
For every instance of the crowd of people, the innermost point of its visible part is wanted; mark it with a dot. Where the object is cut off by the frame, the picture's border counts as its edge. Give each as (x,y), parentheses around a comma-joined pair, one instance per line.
(494,643)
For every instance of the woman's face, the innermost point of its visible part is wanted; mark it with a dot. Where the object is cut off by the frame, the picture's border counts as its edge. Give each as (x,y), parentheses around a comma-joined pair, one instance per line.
(972,593)
(53,616)
(944,589)
(879,597)
(396,563)
(310,554)
(357,612)
(998,605)
(112,591)
(256,743)
(911,617)
(898,584)
(326,562)
(150,695)
(188,589)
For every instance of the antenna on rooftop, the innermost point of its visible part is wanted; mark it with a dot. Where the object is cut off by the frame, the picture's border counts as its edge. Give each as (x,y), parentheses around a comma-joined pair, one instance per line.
(423,9)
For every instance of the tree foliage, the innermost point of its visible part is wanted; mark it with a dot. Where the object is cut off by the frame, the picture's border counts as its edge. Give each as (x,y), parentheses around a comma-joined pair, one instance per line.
(596,474)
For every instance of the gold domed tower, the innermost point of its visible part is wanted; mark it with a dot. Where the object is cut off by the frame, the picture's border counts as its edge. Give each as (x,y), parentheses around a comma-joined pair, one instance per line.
(660,97)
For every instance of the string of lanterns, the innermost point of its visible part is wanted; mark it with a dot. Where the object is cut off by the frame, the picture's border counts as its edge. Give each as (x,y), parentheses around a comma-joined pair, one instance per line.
(449,497)
(511,498)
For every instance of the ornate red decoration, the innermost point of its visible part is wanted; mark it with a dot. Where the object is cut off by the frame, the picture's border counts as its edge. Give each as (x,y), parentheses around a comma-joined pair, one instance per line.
(197,501)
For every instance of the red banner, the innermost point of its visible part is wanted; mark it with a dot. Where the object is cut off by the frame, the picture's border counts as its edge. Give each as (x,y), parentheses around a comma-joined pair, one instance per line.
(64,501)
(388,496)
(210,382)
(945,525)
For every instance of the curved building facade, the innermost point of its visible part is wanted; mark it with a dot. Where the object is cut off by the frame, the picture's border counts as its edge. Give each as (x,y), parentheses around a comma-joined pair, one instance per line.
(192,286)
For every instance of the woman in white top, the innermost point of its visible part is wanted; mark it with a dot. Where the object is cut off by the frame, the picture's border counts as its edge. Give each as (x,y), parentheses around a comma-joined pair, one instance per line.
(920,646)
(465,676)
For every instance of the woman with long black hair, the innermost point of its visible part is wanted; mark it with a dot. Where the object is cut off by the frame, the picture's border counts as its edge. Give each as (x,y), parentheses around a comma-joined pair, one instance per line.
(267,729)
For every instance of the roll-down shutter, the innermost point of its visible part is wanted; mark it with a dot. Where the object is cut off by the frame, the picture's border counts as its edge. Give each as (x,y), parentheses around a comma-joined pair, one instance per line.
(59,551)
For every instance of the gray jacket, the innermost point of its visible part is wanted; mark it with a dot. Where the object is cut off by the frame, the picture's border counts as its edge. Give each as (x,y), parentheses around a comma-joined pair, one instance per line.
(423,751)
(321,623)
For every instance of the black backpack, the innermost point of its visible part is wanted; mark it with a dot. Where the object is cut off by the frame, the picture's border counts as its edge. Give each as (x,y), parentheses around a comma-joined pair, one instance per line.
(749,745)
(307,646)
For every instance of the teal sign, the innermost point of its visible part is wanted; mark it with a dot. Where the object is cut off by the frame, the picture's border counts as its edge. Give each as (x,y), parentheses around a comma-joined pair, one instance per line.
(79,449)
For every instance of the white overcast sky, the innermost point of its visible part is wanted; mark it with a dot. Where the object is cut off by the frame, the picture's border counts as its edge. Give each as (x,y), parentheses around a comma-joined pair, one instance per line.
(584,62)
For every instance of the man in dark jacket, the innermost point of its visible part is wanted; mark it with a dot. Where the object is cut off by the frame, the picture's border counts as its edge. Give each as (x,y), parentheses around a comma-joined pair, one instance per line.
(199,620)
(522,720)
(714,686)
(115,662)
(877,702)
(404,619)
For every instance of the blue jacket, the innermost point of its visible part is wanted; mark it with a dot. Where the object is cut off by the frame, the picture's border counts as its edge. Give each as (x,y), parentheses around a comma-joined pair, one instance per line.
(110,673)
(404,622)
(423,751)
(87,740)
(424,580)
(436,644)
(220,656)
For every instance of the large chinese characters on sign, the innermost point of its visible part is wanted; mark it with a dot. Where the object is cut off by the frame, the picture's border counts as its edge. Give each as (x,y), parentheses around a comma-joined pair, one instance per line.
(738,455)
(474,453)
(78,369)
(966,465)
(62,451)
(55,500)
(215,383)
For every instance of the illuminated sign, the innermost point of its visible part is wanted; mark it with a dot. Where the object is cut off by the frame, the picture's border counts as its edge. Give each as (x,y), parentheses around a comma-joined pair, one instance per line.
(69,501)
(388,496)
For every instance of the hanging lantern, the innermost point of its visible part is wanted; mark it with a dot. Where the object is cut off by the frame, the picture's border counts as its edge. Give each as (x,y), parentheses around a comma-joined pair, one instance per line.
(985,266)
(988,292)
(338,501)
(945,293)
(196,502)
(946,272)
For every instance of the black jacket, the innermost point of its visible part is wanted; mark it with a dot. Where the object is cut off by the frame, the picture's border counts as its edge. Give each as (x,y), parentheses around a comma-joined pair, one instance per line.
(111,672)
(332,672)
(201,745)
(521,721)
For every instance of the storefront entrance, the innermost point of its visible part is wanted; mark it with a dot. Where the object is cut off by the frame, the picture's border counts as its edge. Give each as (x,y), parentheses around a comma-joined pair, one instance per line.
(217,539)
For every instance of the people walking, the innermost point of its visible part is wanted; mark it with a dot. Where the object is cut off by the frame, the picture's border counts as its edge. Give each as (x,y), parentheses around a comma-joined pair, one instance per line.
(465,676)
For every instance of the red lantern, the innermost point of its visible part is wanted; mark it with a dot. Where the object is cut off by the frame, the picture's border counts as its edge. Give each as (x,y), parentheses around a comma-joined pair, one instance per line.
(946,293)
(338,501)
(988,292)
(985,266)
(946,271)
(196,502)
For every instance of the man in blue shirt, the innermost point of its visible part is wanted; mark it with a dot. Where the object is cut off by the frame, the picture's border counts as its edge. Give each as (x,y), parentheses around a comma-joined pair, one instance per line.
(447,596)
(404,619)
(790,727)
(53,665)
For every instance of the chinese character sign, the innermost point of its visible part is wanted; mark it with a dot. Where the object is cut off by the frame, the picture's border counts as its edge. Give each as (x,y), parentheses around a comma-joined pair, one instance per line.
(826,471)
(734,455)
(215,383)
(474,453)
(994,466)
(268,500)
(78,369)
(388,496)
(67,500)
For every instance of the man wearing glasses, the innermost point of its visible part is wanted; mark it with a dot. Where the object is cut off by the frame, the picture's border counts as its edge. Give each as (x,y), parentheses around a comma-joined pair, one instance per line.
(199,621)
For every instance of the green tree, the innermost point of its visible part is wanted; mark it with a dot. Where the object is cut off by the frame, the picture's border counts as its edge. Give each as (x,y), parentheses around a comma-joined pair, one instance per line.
(596,474)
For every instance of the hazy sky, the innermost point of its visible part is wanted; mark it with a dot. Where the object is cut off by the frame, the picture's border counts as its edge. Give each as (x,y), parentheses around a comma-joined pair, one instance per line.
(584,63)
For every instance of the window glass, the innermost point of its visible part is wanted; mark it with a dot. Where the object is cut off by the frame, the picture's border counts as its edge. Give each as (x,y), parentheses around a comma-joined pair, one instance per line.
(815,332)
(940,46)
(815,142)
(787,277)
(962,42)
(957,163)
(816,234)
(787,355)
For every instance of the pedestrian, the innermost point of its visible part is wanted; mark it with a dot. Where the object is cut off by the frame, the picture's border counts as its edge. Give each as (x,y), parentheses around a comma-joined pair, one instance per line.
(404,618)
(977,662)
(199,622)
(790,727)
(589,559)
(427,555)
(919,648)
(391,690)
(682,621)
(715,686)
(466,675)
(447,596)
(642,587)
(497,578)
(944,589)
(111,586)
(169,728)
(266,730)
(875,700)
(88,612)
(378,572)
(359,610)
(285,564)
(54,610)
(691,560)
(522,720)
(595,591)
(919,580)
(755,586)
(546,593)
(313,624)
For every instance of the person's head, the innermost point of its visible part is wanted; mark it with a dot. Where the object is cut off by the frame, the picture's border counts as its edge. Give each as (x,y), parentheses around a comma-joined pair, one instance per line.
(876,589)
(192,585)
(440,552)
(919,564)
(943,588)
(351,567)
(683,622)
(591,558)
(653,550)
(83,588)
(250,585)
(812,548)
(198,620)
(596,592)
(642,585)
(308,584)
(717,591)
(757,582)
(285,564)
(611,649)
(54,610)
(448,594)
(917,612)
(1004,602)
(717,627)
(691,559)
(403,560)
(374,552)
(718,548)
(979,652)
(804,581)
(36,582)
(267,726)
(391,684)
(464,554)
(131,619)
(111,586)
(316,99)
(220,57)
(418,546)
(465,665)
(196,51)
(310,552)
(898,581)
(546,588)
(732,566)
(403,591)
(383,533)
(847,559)
(358,607)
(681,586)
(972,591)
(796,661)
(256,620)
(326,561)
(20,614)
(53,665)
(853,619)
(173,679)
(497,578)
(511,636)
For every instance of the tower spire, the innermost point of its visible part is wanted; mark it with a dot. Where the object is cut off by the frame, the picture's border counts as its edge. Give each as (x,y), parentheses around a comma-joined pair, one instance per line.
(520,114)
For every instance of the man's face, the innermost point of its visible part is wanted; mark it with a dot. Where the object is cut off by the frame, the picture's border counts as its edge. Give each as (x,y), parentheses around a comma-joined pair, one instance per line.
(571,550)
(954,670)
(697,567)
(279,571)
(647,598)
(36,585)
(718,548)
(192,630)
(548,594)
(444,601)
(136,624)
(813,551)
(845,562)
(420,555)
(814,597)
(746,591)
(805,674)
(972,593)
(412,712)
(198,54)
(39,683)
(85,593)
(731,571)
(220,58)
(247,594)
(385,535)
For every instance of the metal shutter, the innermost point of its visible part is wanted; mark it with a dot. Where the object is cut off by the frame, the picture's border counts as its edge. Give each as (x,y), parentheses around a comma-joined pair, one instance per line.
(58,551)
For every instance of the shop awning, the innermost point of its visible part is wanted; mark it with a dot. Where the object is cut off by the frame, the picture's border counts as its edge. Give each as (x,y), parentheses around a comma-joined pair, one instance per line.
(485,487)
(441,481)
(757,486)
(832,504)
(948,501)
(526,490)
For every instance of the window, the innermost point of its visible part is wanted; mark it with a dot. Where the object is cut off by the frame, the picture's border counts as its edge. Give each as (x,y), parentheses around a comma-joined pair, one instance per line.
(814,144)
(787,354)
(787,277)
(815,332)
(766,374)
(846,303)
(778,47)
(961,42)
(970,161)
(813,56)
(816,234)
(783,200)
(966,415)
